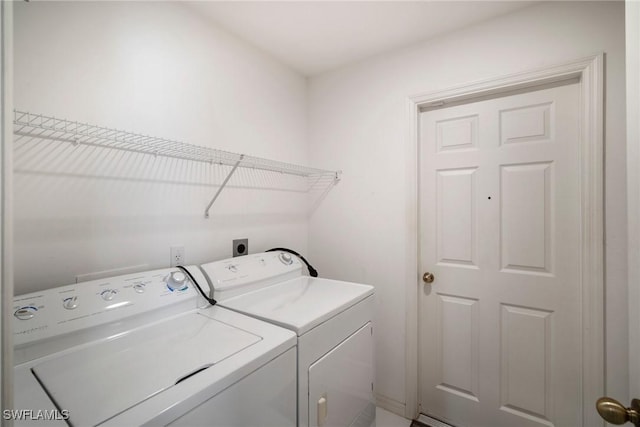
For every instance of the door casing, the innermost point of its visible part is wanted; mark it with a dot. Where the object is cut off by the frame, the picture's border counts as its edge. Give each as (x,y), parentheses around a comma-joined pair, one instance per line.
(590,72)
(632,29)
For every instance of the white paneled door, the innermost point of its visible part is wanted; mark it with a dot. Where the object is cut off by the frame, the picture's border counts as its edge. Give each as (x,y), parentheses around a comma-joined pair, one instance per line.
(500,325)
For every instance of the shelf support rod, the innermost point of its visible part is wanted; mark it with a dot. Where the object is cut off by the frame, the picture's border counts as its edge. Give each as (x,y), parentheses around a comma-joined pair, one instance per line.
(224,183)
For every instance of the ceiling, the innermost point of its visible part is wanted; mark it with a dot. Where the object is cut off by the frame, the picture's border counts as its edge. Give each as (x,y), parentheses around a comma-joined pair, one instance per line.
(317,36)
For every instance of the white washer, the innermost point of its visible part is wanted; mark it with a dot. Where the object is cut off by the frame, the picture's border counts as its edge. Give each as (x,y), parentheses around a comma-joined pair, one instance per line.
(333,322)
(146,349)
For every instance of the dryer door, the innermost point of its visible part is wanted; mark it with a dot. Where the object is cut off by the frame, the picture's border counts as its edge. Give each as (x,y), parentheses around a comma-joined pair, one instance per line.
(341,383)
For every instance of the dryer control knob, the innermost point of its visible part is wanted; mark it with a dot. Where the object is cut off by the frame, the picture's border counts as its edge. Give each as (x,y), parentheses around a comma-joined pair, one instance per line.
(25,313)
(285,258)
(177,281)
(70,303)
(139,288)
(108,294)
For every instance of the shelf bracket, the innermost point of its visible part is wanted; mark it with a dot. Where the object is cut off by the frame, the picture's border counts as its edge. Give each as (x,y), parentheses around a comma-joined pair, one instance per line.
(224,183)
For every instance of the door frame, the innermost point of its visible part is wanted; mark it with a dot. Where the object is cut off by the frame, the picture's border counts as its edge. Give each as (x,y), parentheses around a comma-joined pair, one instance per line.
(632,29)
(590,72)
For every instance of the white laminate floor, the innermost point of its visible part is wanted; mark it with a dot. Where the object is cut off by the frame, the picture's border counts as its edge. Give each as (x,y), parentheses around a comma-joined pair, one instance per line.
(385,418)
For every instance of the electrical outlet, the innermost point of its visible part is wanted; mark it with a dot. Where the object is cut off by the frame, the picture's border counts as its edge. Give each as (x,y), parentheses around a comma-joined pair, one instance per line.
(177,255)
(240,247)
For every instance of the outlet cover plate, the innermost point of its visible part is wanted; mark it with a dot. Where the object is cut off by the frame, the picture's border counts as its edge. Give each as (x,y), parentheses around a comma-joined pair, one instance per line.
(177,255)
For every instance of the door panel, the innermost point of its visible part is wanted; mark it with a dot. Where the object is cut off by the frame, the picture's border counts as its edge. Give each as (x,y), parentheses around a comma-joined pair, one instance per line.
(456,217)
(526,123)
(458,133)
(525,217)
(526,362)
(458,343)
(500,331)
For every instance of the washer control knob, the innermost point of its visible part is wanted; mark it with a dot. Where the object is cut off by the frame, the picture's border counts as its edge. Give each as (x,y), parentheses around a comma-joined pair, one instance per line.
(232,268)
(70,303)
(139,288)
(177,281)
(108,294)
(25,313)
(285,258)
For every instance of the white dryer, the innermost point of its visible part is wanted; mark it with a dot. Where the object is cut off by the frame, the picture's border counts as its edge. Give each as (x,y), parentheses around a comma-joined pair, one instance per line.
(333,322)
(146,349)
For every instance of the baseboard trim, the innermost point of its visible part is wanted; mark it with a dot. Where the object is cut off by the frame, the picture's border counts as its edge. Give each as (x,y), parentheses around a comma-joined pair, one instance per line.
(390,405)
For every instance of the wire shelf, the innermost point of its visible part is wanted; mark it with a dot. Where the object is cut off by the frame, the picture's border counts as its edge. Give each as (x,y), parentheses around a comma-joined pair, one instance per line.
(41,126)
(48,127)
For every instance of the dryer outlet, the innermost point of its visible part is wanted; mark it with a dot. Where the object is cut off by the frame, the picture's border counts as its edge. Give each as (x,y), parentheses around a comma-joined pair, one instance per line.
(240,247)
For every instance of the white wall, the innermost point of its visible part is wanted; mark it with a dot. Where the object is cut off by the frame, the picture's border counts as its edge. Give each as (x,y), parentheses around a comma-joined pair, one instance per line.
(156,68)
(358,123)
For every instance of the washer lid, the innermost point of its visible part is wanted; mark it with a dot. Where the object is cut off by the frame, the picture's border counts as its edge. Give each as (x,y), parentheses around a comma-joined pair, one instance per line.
(98,382)
(300,304)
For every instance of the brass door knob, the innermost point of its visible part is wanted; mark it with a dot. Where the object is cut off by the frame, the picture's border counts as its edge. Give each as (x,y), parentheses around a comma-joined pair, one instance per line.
(615,413)
(428,277)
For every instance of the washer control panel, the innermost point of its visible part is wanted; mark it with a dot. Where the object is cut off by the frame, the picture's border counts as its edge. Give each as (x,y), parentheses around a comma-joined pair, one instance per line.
(70,308)
(235,276)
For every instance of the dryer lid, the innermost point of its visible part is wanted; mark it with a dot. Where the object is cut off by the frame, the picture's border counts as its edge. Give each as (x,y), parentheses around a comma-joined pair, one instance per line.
(102,380)
(300,304)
